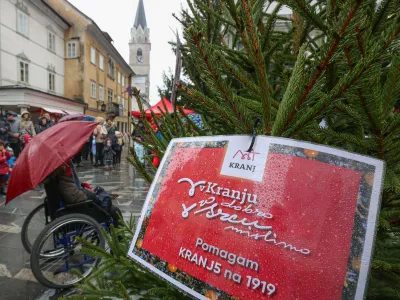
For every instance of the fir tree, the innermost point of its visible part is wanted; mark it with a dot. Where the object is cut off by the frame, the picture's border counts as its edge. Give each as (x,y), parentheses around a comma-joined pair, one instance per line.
(337,61)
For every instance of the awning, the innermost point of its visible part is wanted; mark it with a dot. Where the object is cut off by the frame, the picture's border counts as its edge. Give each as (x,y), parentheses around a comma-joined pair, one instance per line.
(52,110)
(58,111)
(156,109)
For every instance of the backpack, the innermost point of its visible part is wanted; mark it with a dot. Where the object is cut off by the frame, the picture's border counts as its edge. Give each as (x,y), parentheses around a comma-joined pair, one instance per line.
(104,198)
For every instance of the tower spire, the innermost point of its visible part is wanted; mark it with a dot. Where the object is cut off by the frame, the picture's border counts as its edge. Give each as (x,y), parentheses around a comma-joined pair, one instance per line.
(140,18)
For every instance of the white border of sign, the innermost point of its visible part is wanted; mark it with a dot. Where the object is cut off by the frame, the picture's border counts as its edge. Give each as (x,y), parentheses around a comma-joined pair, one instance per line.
(372,213)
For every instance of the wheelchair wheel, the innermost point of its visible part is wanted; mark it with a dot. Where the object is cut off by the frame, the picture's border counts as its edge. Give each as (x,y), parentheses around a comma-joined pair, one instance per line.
(57,251)
(33,225)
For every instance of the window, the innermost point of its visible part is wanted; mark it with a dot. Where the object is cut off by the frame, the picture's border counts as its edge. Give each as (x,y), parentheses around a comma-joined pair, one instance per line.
(52,82)
(139,55)
(23,72)
(72,49)
(123,80)
(92,89)
(93,55)
(51,43)
(119,77)
(119,99)
(101,93)
(110,67)
(22,23)
(123,103)
(101,62)
(110,96)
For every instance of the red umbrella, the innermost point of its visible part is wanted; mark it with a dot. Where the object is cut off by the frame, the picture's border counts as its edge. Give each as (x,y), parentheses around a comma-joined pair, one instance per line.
(46,152)
(76,117)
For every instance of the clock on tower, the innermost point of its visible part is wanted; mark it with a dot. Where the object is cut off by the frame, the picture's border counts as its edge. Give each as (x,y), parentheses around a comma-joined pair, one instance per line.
(139,52)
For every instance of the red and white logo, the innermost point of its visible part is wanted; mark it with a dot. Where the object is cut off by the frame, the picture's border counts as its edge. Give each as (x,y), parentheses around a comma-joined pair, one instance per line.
(246,155)
(243,164)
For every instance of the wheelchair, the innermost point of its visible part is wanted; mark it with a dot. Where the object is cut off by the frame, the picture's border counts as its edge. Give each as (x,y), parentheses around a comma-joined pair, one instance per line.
(55,244)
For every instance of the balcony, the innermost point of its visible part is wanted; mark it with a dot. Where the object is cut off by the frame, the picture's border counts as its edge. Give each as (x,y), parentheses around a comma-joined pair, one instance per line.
(113,109)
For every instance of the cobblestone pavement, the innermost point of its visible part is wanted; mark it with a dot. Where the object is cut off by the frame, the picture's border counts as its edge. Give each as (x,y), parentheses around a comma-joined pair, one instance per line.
(16,279)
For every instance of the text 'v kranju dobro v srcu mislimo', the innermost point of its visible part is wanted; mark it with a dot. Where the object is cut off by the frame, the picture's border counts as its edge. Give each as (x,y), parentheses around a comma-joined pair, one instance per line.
(219,205)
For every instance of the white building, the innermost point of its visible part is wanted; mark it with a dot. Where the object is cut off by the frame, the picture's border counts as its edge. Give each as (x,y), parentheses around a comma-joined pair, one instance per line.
(32,58)
(139,56)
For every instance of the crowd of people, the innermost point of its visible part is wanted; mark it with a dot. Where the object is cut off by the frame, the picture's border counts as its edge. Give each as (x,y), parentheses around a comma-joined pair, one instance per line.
(17,133)
(103,148)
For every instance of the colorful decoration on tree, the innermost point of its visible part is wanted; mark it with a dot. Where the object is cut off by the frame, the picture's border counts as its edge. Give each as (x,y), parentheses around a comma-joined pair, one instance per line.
(172,268)
(311,153)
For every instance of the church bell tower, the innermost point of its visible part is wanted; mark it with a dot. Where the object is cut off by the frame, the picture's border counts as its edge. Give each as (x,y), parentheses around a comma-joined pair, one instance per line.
(139,53)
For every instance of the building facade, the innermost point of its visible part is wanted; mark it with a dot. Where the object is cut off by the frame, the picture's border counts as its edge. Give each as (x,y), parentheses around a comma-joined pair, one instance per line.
(139,55)
(95,72)
(32,56)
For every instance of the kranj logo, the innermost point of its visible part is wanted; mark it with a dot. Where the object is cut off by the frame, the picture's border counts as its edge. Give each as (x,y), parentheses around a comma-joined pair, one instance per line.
(243,164)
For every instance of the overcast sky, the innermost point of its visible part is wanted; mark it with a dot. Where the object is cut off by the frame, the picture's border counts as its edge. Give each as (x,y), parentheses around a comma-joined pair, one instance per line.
(117,16)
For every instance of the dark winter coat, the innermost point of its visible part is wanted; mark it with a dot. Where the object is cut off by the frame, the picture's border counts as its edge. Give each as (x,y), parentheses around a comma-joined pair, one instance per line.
(42,127)
(110,131)
(4,129)
(4,168)
(50,123)
(15,127)
(116,147)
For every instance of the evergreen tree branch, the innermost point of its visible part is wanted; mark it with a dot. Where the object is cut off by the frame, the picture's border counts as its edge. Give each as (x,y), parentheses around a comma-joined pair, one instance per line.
(360,41)
(208,102)
(260,67)
(217,80)
(323,65)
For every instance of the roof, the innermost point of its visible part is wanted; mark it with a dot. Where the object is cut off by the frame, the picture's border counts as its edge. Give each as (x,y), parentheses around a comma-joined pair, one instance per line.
(140,18)
(20,87)
(108,36)
(50,12)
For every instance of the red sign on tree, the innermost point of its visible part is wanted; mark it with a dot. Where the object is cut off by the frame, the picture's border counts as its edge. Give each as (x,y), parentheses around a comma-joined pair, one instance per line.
(288,220)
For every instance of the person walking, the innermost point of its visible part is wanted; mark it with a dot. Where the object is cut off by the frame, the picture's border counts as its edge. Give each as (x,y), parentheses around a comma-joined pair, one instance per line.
(118,146)
(27,126)
(87,149)
(108,154)
(110,129)
(14,133)
(93,149)
(100,133)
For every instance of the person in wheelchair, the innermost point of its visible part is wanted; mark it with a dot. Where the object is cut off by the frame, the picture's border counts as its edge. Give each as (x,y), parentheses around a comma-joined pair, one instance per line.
(71,194)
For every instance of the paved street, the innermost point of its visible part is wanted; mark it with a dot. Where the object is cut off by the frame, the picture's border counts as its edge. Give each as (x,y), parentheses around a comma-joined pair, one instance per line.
(16,279)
